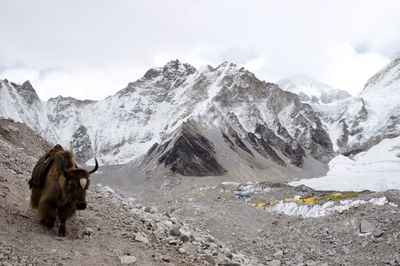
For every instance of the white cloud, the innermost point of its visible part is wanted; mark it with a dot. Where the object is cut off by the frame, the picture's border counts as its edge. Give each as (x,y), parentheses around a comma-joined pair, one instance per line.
(96,47)
(94,84)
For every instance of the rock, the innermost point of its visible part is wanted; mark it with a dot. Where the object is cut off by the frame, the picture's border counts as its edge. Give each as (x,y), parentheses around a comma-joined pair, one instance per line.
(209,259)
(229,255)
(221,258)
(366,227)
(174,232)
(346,250)
(174,242)
(393,196)
(165,258)
(88,231)
(185,238)
(154,239)
(278,254)
(303,188)
(274,263)
(141,238)
(377,232)
(126,260)
(182,250)
(151,209)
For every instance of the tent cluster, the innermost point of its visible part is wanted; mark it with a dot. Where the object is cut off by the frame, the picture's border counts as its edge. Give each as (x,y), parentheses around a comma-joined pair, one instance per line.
(311,200)
(247,191)
(336,196)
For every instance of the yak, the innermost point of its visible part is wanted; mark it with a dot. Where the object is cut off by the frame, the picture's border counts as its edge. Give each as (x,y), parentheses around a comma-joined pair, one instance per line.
(58,187)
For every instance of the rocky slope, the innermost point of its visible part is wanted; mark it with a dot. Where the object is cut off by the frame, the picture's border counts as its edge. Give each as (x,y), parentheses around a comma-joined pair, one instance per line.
(277,232)
(227,102)
(262,220)
(112,231)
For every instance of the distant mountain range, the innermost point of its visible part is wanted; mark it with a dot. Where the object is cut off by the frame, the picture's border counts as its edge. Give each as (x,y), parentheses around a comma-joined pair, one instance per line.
(213,121)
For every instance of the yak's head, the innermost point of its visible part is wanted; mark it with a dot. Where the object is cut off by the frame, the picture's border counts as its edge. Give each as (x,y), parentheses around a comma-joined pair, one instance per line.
(77,182)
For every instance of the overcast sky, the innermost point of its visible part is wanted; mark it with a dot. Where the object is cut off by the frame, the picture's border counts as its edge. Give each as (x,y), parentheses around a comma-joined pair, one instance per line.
(92,49)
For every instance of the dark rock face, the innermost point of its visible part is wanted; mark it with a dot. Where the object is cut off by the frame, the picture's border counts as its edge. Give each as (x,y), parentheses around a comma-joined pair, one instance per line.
(26,91)
(342,140)
(265,149)
(81,144)
(391,129)
(228,140)
(321,137)
(152,73)
(290,149)
(191,155)
(174,69)
(240,143)
(295,153)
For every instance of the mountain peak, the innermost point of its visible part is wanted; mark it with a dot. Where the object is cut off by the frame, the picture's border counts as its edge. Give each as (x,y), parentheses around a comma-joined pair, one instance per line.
(311,90)
(175,68)
(387,76)
(26,90)
(170,70)
(229,65)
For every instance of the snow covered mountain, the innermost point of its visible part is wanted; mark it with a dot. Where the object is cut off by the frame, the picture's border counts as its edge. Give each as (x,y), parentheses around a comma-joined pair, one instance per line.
(177,105)
(312,91)
(357,123)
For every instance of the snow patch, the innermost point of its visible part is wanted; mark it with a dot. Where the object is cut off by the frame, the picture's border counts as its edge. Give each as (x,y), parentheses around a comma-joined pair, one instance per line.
(315,210)
(377,169)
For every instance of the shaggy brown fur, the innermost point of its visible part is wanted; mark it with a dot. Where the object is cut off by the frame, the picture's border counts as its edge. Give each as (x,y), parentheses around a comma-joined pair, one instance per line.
(42,167)
(63,191)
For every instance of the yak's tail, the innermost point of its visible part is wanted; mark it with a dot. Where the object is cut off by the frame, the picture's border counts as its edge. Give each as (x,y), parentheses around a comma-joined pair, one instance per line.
(35,197)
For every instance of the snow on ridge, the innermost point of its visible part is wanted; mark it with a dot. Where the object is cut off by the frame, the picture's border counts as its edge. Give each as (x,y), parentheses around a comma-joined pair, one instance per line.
(145,112)
(368,112)
(124,126)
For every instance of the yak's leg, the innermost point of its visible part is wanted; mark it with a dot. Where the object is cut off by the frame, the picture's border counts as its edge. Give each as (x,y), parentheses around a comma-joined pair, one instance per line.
(64,213)
(47,214)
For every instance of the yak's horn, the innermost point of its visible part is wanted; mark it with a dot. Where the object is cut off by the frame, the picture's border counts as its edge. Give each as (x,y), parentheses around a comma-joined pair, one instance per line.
(95,167)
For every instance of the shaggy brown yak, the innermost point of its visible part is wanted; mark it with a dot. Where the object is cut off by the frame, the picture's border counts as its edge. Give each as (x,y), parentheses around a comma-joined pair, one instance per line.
(58,187)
